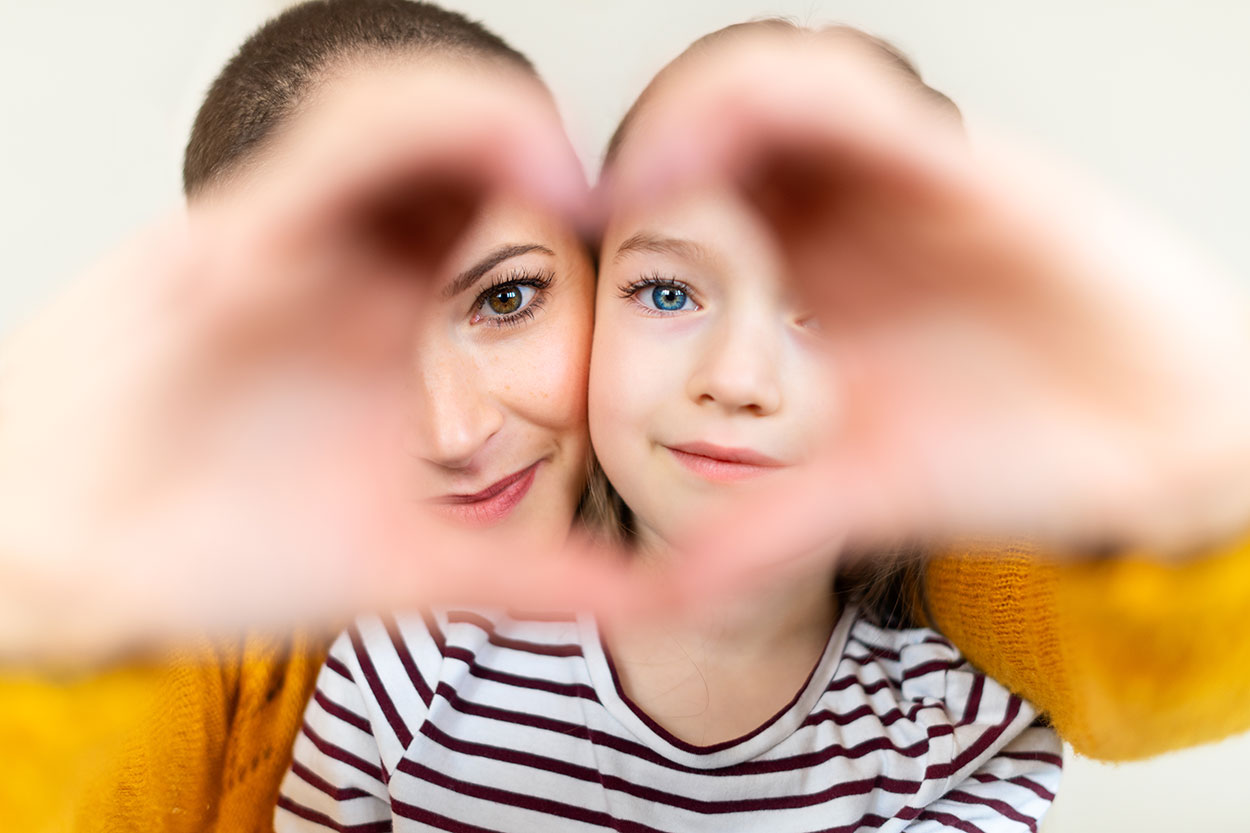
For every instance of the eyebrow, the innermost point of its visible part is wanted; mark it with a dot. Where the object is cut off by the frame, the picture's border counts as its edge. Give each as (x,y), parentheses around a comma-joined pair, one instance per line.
(645,241)
(497,256)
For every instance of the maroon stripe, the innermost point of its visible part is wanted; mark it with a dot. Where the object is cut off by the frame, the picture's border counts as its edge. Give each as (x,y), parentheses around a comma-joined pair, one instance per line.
(322,819)
(484,672)
(868,688)
(342,713)
(342,755)
(315,780)
(1019,781)
(637,750)
(501,641)
(874,651)
(867,633)
(869,822)
(424,816)
(1001,807)
(379,690)
(951,821)
(866,660)
(888,719)
(436,633)
(336,665)
(932,666)
(1030,784)
(978,746)
(974,701)
(525,801)
(1044,757)
(405,659)
(611,782)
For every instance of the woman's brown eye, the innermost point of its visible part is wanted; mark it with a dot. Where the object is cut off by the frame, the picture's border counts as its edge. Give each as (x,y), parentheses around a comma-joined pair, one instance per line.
(505,300)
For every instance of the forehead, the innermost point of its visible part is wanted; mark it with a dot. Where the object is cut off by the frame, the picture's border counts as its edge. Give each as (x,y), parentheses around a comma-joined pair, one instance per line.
(713,226)
(508,217)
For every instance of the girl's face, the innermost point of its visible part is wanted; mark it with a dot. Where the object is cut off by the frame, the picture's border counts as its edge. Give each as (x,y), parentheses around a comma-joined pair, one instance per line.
(706,375)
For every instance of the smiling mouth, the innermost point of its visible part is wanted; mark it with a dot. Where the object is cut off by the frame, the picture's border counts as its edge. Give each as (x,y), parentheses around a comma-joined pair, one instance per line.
(718,463)
(489,506)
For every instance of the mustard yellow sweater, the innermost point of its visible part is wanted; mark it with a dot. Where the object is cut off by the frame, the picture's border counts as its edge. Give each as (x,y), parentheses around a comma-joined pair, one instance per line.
(1129,658)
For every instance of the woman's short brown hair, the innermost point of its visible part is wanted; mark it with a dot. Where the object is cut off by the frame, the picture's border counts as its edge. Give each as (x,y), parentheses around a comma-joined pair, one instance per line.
(273,70)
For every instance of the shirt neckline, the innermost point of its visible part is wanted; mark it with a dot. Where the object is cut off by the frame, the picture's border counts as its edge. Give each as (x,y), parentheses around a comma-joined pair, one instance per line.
(608,688)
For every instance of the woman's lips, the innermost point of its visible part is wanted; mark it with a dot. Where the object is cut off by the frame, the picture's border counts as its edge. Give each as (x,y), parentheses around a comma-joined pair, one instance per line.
(492,504)
(715,462)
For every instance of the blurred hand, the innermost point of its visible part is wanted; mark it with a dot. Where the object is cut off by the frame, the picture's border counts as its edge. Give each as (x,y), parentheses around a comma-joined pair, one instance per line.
(205,430)
(1017,354)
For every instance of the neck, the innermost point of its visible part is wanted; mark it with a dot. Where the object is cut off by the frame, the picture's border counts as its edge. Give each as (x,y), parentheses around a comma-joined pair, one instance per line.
(719,674)
(783,612)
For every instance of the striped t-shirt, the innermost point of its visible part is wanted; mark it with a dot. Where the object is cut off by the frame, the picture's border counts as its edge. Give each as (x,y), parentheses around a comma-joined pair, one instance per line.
(461,721)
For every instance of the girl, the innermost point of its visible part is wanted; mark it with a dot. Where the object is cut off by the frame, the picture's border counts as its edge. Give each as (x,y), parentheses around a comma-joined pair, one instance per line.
(791,709)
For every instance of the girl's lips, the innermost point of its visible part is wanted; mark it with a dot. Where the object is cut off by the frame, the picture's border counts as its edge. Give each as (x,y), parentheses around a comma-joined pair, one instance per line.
(713,462)
(492,504)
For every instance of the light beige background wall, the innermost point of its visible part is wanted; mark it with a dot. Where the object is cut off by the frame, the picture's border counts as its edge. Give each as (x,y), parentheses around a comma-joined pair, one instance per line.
(96,99)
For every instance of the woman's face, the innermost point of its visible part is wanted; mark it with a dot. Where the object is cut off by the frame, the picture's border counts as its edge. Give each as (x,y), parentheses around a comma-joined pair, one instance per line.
(501,362)
(501,341)
(706,376)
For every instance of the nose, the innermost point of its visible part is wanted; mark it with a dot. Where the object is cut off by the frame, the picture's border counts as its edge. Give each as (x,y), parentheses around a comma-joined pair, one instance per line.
(738,370)
(456,415)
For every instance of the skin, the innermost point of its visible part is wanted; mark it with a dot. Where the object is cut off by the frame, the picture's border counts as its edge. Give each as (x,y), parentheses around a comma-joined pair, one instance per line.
(495,391)
(503,389)
(1114,349)
(972,296)
(739,364)
(254,365)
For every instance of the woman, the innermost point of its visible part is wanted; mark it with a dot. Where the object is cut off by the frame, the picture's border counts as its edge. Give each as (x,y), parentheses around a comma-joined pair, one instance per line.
(313,165)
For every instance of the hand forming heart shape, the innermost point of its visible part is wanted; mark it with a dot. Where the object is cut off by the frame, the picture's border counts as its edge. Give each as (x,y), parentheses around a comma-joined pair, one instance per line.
(1015,353)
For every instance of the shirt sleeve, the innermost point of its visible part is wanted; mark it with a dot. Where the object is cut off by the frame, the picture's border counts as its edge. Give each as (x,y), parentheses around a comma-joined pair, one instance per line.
(1009,793)
(337,780)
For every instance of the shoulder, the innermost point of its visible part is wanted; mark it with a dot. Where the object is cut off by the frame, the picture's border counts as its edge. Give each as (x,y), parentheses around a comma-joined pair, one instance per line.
(915,691)
(404,658)
(923,669)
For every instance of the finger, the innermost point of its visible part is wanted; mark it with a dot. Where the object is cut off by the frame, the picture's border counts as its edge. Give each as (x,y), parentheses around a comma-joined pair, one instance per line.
(820,108)
(382,181)
(451,138)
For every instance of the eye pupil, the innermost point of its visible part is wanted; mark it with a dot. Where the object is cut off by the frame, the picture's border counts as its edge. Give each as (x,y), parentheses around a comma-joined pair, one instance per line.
(668,298)
(505,300)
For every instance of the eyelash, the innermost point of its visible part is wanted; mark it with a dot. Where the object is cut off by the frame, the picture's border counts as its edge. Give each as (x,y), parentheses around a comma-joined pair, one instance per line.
(631,290)
(541,281)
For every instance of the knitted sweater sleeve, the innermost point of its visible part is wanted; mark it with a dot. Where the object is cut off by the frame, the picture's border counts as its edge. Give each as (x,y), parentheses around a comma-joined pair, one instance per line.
(1129,656)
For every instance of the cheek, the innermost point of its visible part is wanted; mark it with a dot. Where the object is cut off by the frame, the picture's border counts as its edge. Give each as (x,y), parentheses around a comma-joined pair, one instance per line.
(543,380)
(813,401)
(632,383)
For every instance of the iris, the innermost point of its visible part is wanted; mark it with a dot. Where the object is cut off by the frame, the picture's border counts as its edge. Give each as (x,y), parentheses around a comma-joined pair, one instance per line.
(668,298)
(505,300)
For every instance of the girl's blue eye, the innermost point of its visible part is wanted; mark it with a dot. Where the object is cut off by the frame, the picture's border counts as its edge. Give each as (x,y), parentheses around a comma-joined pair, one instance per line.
(668,298)
(660,295)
